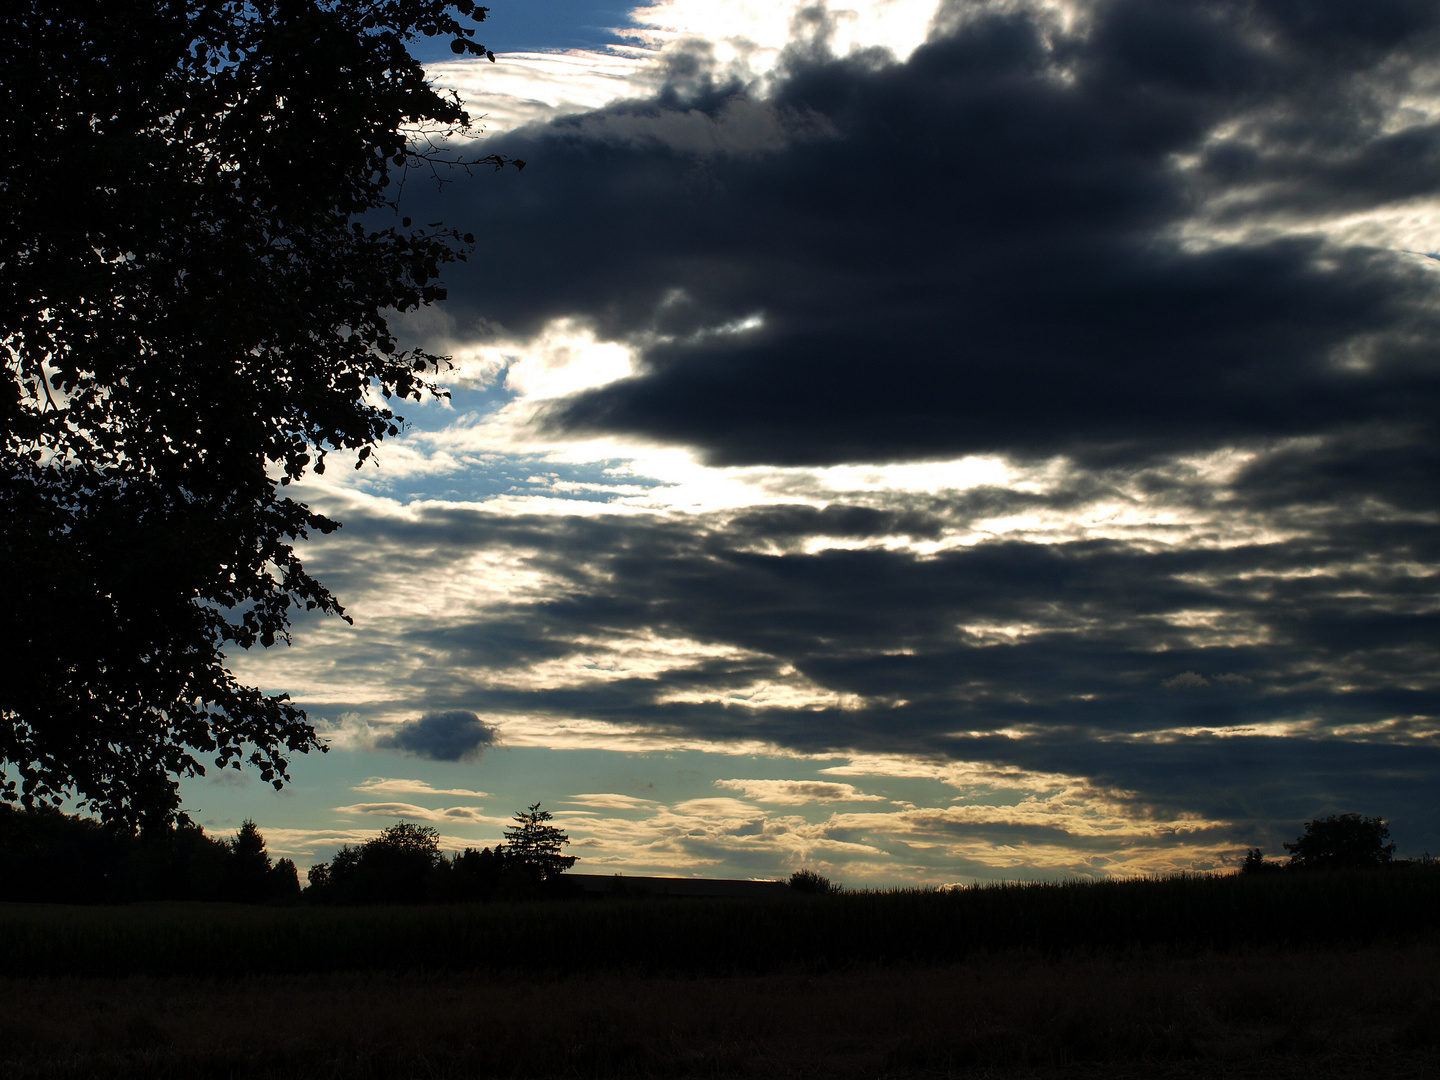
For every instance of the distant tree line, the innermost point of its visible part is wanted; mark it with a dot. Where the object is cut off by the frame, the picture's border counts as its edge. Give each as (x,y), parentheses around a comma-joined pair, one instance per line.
(46,855)
(404,865)
(49,856)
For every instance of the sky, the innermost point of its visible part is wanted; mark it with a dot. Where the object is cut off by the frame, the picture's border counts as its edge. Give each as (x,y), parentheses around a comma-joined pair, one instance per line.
(923,443)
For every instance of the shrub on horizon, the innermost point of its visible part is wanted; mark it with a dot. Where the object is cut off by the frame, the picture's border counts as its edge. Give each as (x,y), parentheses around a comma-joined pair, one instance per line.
(809,882)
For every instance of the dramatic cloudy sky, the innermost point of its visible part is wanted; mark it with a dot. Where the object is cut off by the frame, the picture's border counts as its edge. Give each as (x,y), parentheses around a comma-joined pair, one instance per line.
(924,444)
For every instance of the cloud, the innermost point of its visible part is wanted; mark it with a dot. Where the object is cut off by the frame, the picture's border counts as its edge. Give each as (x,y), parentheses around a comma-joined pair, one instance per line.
(452,814)
(610,802)
(717,808)
(1040,654)
(1024,239)
(455,735)
(378,785)
(1050,407)
(303,844)
(1072,827)
(797,792)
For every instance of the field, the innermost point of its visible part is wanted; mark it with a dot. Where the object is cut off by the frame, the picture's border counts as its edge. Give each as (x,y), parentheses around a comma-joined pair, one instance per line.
(1333,976)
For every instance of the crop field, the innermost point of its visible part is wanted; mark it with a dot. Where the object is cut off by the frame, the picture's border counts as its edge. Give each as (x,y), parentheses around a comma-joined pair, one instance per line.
(1289,976)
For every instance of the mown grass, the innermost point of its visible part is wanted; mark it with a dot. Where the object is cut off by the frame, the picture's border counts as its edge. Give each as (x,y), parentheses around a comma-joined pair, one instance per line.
(721,937)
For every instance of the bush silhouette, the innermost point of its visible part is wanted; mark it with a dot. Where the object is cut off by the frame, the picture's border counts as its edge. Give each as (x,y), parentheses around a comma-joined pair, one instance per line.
(808,881)
(1344,841)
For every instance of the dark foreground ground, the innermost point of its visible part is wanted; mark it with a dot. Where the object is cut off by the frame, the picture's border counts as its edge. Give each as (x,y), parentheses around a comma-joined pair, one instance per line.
(1371,1011)
(1275,977)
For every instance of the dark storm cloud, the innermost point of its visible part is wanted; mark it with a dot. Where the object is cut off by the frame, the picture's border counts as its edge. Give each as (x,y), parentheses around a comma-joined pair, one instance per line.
(976,250)
(456,735)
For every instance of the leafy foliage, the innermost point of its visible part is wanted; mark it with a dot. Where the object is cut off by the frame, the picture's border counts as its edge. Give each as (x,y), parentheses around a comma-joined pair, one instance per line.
(193,298)
(1343,841)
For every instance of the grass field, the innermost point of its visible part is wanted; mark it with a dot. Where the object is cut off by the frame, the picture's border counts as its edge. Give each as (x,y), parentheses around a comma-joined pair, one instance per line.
(1188,978)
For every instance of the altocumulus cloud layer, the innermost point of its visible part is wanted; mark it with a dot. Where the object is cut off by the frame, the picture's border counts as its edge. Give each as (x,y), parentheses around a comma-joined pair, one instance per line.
(1082,389)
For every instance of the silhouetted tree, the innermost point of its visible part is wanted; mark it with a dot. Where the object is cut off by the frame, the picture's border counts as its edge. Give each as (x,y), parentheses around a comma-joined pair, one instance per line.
(344,881)
(536,848)
(1255,863)
(252,879)
(1340,842)
(284,880)
(177,863)
(400,861)
(401,865)
(48,856)
(317,880)
(477,874)
(250,869)
(194,292)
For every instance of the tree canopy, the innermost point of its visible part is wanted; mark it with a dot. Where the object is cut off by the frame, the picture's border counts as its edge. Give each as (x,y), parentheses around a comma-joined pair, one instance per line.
(1341,841)
(194,289)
